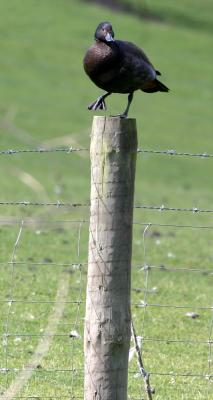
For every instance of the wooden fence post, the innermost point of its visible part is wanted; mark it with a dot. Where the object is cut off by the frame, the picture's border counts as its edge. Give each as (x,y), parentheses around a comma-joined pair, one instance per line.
(108,317)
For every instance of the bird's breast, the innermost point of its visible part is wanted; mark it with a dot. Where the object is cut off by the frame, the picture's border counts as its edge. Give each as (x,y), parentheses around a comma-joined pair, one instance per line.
(101,63)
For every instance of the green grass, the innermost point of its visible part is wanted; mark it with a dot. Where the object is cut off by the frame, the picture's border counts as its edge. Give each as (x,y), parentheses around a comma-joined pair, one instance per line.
(192,14)
(43,101)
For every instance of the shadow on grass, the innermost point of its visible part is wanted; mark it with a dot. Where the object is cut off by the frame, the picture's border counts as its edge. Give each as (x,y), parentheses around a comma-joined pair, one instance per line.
(169,17)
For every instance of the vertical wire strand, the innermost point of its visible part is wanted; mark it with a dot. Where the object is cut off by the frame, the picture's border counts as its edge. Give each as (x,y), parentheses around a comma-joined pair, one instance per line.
(79,239)
(77,317)
(10,302)
(146,271)
(210,372)
(142,370)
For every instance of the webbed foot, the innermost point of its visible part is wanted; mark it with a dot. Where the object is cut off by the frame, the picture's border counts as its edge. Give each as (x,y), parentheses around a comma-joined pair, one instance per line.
(98,104)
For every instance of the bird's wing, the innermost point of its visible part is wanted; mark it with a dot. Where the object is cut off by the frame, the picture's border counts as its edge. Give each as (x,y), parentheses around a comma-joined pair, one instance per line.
(134,53)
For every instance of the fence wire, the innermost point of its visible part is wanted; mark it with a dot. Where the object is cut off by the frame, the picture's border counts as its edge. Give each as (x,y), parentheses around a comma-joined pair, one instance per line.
(72,149)
(145,305)
(76,323)
(58,204)
(29,310)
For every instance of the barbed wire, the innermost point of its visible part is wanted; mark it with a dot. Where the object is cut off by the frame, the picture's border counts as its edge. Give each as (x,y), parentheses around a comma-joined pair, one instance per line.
(193,210)
(68,150)
(42,203)
(175,153)
(78,265)
(58,204)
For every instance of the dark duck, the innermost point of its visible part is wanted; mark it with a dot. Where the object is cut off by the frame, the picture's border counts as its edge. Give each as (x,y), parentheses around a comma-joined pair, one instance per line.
(117,66)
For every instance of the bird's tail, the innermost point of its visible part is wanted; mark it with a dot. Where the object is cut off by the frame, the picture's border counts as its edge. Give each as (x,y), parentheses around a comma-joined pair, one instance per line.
(161,87)
(155,86)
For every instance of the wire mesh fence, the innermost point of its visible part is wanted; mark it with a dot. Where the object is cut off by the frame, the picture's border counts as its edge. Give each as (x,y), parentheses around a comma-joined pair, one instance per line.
(43,268)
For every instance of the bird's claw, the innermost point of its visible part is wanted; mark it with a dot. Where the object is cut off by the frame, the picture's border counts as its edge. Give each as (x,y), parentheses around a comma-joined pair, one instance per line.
(98,104)
(119,115)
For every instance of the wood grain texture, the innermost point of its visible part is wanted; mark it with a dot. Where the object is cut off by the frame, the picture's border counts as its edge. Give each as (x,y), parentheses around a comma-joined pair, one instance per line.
(108,318)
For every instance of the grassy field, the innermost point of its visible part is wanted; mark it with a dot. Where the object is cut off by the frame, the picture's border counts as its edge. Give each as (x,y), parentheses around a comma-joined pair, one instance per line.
(185,13)
(43,103)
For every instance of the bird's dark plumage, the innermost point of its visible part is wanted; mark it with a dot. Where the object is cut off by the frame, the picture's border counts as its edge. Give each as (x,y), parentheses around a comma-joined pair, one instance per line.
(117,66)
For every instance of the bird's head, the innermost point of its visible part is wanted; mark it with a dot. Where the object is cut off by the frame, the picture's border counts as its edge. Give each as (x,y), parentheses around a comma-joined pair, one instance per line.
(104,32)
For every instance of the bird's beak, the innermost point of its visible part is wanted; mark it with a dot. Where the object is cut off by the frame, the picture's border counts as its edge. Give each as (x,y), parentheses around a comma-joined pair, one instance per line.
(109,37)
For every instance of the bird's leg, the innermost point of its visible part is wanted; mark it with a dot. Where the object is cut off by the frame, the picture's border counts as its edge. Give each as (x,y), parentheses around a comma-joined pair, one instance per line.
(125,113)
(99,104)
(130,98)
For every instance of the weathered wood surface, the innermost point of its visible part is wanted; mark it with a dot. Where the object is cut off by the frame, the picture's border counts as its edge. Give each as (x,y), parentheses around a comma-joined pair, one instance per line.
(108,318)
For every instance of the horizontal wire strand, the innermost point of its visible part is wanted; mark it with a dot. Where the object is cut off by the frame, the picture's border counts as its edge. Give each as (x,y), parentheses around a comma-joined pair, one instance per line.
(68,370)
(68,150)
(33,221)
(59,204)
(159,208)
(42,203)
(78,265)
(136,304)
(70,336)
